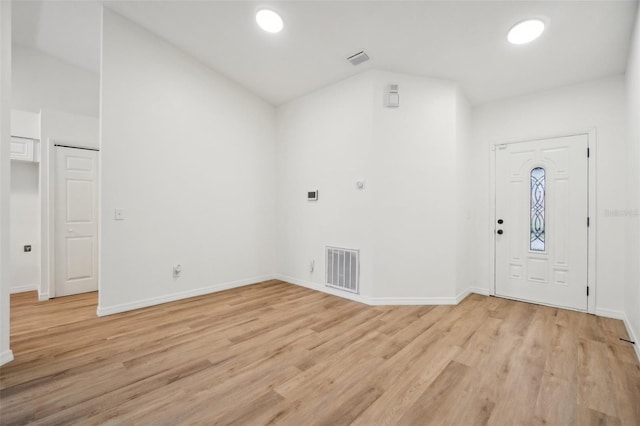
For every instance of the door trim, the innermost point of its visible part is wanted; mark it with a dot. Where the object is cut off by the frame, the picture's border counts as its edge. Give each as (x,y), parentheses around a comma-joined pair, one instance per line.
(76,147)
(592,213)
(48,224)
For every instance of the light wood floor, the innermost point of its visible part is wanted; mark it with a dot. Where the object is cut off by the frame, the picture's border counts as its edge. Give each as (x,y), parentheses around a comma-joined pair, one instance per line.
(278,353)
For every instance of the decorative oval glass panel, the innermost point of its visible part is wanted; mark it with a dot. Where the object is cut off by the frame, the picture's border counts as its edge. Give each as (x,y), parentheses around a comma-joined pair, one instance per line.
(537,242)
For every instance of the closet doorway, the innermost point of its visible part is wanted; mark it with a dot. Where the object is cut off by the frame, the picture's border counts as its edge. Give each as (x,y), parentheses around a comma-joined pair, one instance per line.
(76,220)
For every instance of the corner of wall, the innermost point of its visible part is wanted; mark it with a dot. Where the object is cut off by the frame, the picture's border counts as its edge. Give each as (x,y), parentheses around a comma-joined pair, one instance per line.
(467,237)
(632,215)
(632,336)
(6,354)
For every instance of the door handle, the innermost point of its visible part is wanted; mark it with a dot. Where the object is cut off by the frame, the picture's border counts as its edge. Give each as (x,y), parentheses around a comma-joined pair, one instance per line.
(500,231)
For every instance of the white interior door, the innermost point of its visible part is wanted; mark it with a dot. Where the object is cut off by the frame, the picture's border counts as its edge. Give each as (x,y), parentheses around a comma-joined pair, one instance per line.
(76,217)
(541,221)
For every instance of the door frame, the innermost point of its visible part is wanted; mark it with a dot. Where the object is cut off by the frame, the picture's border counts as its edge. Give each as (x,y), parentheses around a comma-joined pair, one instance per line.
(58,127)
(591,202)
(49,222)
(54,144)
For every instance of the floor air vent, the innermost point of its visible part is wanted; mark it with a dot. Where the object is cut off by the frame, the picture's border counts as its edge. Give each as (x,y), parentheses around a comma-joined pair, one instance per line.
(343,269)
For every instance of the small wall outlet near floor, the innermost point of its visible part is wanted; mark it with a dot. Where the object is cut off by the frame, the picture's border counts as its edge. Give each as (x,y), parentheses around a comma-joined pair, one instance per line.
(177,271)
(27,248)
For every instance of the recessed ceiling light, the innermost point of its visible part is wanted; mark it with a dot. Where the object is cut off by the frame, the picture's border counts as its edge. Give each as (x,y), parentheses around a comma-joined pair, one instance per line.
(525,31)
(269,21)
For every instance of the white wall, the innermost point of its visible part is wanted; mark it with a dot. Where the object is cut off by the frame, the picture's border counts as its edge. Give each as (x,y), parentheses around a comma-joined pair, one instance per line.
(43,81)
(414,189)
(325,143)
(600,105)
(5,122)
(25,227)
(24,273)
(189,156)
(632,287)
(25,124)
(403,221)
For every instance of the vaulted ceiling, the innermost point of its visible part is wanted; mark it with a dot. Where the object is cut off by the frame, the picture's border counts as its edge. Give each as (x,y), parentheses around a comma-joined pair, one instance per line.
(463,41)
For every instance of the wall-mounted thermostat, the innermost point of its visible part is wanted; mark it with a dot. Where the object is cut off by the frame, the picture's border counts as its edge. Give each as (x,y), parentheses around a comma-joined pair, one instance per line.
(312,195)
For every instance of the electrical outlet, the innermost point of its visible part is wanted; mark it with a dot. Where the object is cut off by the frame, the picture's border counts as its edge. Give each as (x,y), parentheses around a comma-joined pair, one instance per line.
(27,248)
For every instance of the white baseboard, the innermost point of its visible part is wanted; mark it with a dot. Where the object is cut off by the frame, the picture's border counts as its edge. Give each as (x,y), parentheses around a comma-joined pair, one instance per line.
(428,300)
(23,288)
(384,301)
(43,296)
(110,310)
(632,336)
(6,356)
(462,295)
(414,301)
(479,290)
(610,313)
(620,315)
(323,289)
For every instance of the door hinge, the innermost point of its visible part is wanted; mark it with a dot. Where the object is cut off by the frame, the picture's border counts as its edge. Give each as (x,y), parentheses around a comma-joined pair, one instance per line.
(588,221)
(588,152)
(587,291)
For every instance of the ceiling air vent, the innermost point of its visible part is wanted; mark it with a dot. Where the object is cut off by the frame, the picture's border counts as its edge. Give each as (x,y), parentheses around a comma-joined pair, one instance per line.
(358,58)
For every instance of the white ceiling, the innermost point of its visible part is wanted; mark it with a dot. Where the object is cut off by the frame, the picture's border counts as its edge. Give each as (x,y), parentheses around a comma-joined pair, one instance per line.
(463,41)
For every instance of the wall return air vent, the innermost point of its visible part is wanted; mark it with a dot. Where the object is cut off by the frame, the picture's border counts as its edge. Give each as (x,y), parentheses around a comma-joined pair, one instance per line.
(343,269)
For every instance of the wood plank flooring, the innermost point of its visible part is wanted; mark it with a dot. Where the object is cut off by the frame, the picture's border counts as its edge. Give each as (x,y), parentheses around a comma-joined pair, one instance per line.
(275,353)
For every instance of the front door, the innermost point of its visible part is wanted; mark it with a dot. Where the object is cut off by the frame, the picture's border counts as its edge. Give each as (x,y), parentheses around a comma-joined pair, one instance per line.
(76,217)
(541,221)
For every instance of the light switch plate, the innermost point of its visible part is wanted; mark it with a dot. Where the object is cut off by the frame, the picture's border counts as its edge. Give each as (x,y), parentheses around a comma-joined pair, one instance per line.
(119,214)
